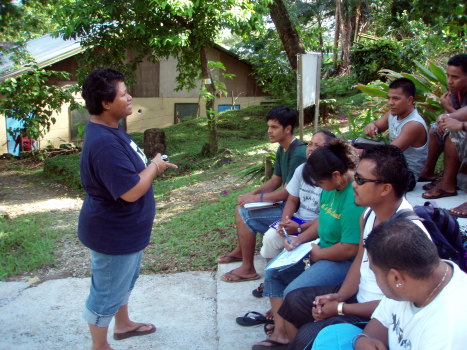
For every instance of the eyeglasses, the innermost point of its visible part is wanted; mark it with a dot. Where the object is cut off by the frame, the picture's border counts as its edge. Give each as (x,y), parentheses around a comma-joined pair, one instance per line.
(361,180)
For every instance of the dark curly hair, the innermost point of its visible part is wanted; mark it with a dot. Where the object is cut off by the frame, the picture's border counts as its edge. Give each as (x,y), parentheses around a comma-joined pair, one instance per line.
(338,155)
(100,86)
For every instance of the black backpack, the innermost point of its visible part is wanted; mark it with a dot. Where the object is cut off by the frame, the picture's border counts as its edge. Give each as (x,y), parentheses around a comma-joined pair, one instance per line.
(442,227)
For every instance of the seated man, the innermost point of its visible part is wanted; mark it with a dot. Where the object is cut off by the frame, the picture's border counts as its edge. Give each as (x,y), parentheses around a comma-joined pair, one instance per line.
(290,154)
(302,203)
(381,183)
(302,196)
(424,304)
(407,129)
(449,135)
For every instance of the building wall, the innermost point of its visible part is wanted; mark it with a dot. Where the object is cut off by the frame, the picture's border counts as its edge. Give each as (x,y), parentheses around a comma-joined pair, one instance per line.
(154,96)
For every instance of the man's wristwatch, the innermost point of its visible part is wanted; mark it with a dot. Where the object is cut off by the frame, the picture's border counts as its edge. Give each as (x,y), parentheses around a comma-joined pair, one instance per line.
(340,308)
(299,229)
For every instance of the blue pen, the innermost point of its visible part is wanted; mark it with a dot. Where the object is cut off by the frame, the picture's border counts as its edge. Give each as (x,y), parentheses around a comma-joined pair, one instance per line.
(286,235)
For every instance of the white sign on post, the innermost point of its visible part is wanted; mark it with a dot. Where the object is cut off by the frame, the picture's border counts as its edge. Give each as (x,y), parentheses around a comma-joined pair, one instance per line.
(308,89)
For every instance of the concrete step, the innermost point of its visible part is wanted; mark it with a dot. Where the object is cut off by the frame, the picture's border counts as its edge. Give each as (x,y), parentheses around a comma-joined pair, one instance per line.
(234,300)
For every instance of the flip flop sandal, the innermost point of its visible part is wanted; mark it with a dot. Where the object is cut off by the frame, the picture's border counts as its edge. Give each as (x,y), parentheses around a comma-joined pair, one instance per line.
(268,330)
(254,320)
(439,194)
(274,345)
(258,292)
(239,278)
(135,332)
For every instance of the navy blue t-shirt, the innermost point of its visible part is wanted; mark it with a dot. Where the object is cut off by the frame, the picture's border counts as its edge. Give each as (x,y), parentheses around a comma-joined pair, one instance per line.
(110,164)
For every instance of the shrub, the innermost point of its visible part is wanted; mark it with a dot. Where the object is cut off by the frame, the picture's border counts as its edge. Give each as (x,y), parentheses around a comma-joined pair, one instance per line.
(430,82)
(369,57)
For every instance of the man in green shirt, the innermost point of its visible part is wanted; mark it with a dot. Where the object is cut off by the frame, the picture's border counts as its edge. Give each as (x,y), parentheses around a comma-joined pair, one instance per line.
(290,154)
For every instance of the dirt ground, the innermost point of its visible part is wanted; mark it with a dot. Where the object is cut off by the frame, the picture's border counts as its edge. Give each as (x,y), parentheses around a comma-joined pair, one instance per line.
(22,193)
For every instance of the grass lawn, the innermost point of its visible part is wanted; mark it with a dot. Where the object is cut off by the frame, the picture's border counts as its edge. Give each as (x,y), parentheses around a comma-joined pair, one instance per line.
(188,234)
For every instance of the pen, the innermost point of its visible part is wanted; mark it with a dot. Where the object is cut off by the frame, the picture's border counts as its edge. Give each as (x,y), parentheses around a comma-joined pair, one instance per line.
(286,235)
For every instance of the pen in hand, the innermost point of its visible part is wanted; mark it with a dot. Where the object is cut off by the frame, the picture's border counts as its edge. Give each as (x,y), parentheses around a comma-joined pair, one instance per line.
(286,235)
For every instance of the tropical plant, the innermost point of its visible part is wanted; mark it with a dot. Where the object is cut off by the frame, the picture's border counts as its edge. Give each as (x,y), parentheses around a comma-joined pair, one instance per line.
(30,99)
(431,84)
(257,172)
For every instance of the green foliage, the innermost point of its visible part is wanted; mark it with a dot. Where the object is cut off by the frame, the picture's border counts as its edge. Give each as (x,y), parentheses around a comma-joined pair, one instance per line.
(369,57)
(167,28)
(238,130)
(256,173)
(338,86)
(30,99)
(26,243)
(64,169)
(186,243)
(430,82)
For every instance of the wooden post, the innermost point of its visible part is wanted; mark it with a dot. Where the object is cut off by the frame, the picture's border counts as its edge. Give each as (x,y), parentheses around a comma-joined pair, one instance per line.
(154,142)
(268,168)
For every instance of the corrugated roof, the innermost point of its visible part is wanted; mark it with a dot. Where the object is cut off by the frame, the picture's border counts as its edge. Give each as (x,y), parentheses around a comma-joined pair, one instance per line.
(46,50)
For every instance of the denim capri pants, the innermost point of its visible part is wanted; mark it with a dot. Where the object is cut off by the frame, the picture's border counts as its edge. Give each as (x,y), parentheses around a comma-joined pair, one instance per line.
(259,220)
(113,278)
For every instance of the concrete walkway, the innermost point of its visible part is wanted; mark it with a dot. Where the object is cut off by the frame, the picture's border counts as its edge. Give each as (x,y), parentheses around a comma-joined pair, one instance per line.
(192,310)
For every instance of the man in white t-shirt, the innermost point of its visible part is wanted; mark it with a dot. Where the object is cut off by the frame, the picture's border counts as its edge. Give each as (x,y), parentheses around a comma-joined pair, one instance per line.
(380,183)
(302,196)
(424,305)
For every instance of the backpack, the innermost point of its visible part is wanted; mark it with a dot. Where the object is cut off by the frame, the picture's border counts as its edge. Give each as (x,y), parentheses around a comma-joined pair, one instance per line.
(442,227)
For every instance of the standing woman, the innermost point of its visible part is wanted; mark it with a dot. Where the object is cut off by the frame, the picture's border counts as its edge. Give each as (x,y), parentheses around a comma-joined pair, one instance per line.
(116,219)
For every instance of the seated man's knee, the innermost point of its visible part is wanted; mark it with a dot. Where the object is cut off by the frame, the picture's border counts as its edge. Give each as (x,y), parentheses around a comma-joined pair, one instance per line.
(272,244)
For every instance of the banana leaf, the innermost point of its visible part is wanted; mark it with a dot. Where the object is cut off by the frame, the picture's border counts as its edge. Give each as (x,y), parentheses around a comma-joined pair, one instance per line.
(438,72)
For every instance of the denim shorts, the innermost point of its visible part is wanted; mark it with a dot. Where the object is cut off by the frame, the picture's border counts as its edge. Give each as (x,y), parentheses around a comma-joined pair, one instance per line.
(279,282)
(259,220)
(113,278)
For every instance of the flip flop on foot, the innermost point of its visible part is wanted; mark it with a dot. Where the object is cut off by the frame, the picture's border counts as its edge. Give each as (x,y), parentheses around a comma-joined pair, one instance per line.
(234,277)
(227,258)
(436,193)
(269,328)
(460,211)
(136,331)
(274,345)
(255,319)
(258,292)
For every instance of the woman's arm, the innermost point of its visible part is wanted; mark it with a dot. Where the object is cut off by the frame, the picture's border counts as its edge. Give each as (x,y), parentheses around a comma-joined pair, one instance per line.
(155,168)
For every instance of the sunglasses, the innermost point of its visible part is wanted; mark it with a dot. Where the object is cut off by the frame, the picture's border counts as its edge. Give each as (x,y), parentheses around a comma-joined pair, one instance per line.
(361,180)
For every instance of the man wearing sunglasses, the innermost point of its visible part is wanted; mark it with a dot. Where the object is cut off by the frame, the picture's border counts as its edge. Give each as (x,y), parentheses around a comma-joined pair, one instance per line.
(380,183)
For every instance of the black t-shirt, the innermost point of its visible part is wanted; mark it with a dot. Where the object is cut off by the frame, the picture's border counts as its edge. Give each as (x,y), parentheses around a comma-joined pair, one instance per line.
(110,164)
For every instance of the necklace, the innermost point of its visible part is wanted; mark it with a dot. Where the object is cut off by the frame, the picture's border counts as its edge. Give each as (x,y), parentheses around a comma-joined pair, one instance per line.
(437,286)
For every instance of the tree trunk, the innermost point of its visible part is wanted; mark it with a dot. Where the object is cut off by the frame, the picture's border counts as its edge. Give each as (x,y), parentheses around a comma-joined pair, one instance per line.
(289,36)
(337,34)
(210,113)
(154,142)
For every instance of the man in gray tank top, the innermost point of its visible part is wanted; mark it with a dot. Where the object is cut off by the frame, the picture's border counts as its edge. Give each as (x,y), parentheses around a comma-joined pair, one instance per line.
(407,129)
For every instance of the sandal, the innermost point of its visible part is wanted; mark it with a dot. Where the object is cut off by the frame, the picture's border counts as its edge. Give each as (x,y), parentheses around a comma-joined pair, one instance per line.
(460,211)
(135,332)
(436,193)
(269,328)
(255,320)
(258,292)
(227,277)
